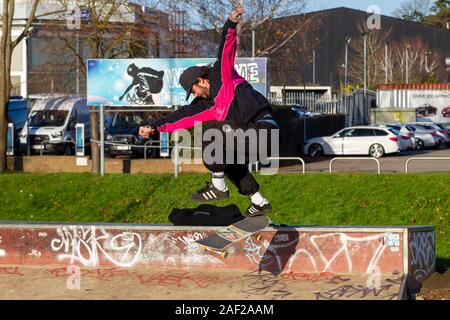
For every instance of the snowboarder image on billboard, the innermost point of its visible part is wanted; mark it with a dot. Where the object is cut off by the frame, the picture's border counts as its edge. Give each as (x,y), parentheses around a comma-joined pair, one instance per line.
(146,82)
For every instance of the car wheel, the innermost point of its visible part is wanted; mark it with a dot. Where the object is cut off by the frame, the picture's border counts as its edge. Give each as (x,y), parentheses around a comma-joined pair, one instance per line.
(376,151)
(419,144)
(315,151)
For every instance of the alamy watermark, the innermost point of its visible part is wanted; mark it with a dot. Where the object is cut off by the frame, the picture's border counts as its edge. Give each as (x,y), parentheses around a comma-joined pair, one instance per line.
(374,21)
(226,145)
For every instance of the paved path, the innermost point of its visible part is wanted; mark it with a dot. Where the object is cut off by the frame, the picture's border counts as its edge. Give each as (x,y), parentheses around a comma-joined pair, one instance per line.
(53,282)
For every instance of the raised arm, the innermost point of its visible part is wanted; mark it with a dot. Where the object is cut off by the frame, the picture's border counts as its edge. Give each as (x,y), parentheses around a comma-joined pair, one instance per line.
(231,23)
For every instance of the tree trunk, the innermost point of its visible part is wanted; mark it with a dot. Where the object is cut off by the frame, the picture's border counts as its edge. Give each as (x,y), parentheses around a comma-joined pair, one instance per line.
(3,101)
(95,148)
(5,77)
(3,130)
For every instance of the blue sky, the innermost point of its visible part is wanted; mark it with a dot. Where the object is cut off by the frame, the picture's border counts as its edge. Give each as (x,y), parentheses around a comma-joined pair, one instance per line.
(387,6)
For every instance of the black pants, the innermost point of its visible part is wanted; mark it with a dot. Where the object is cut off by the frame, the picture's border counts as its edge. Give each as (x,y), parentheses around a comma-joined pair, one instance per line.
(242,152)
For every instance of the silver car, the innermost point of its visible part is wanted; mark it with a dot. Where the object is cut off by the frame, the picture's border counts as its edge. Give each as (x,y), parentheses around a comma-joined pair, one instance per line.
(426,138)
(440,130)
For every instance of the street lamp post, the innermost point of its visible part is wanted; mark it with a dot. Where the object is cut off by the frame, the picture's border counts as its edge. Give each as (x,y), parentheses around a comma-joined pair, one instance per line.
(253,40)
(347,42)
(386,61)
(365,64)
(314,66)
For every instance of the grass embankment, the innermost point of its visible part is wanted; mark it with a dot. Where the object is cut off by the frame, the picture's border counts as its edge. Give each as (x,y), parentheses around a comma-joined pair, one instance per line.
(314,199)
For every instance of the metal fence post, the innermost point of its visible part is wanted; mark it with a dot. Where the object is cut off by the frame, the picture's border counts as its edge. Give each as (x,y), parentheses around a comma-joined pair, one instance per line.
(102,140)
(175,149)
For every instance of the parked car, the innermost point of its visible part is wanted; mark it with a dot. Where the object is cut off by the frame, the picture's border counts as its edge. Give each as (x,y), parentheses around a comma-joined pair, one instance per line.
(446,126)
(361,140)
(440,130)
(406,137)
(123,133)
(406,130)
(426,138)
(51,124)
(426,110)
(446,112)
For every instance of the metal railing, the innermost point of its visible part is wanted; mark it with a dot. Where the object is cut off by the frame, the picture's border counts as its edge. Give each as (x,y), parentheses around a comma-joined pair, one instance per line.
(423,159)
(357,158)
(315,103)
(285,158)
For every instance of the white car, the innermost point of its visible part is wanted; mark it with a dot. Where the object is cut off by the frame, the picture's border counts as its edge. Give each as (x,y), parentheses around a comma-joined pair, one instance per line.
(405,138)
(361,140)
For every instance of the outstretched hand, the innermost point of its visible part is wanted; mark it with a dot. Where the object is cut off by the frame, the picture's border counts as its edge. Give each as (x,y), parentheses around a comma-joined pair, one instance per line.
(146,131)
(236,15)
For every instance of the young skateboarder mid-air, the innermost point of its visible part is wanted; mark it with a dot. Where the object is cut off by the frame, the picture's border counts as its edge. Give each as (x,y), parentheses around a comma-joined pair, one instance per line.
(226,102)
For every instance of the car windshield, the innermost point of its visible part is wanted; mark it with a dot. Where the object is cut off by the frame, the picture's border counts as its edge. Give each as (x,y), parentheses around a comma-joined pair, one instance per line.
(425,127)
(44,118)
(128,120)
(394,127)
(396,132)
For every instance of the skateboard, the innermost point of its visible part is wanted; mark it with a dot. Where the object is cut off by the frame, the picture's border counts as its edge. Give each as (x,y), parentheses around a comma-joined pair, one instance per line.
(220,240)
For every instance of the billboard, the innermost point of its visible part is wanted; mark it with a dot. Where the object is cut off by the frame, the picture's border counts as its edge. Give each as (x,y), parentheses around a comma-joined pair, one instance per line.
(154,82)
(431,105)
(431,101)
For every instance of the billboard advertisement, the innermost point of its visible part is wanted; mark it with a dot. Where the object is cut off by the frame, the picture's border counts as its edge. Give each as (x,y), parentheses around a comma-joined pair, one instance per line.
(154,82)
(430,101)
(432,105)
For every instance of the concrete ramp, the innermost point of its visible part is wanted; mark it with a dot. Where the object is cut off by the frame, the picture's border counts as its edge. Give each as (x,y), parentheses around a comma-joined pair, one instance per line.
(118,261)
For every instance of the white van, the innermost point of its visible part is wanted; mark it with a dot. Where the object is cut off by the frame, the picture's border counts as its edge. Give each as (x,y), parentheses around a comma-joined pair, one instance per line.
(51,124)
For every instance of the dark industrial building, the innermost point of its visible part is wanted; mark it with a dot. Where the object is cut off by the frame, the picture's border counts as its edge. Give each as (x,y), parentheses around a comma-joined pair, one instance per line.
(340,23)
(293,64)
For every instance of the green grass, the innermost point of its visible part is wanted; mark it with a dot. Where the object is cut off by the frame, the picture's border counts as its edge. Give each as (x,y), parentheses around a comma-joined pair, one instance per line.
(314,199)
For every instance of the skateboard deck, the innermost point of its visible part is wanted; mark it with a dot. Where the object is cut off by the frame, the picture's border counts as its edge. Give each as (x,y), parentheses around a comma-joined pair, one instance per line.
(224,237)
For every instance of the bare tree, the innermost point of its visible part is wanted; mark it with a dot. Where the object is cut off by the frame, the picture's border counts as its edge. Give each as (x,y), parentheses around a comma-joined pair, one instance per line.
(260,16)
(375,44)
(414,62)
(277,29)
(407,61)
(8,43)
(115,29)
(414,10)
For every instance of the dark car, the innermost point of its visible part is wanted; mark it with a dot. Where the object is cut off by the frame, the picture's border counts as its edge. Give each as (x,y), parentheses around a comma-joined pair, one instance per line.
(426,111)
(446,112)
(122,136)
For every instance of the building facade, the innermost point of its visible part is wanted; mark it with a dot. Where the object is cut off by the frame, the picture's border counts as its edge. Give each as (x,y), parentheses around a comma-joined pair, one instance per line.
(51,58)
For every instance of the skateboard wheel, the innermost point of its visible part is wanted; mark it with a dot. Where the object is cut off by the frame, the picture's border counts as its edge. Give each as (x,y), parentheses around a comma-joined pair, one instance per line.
(224,254)
(258,237)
